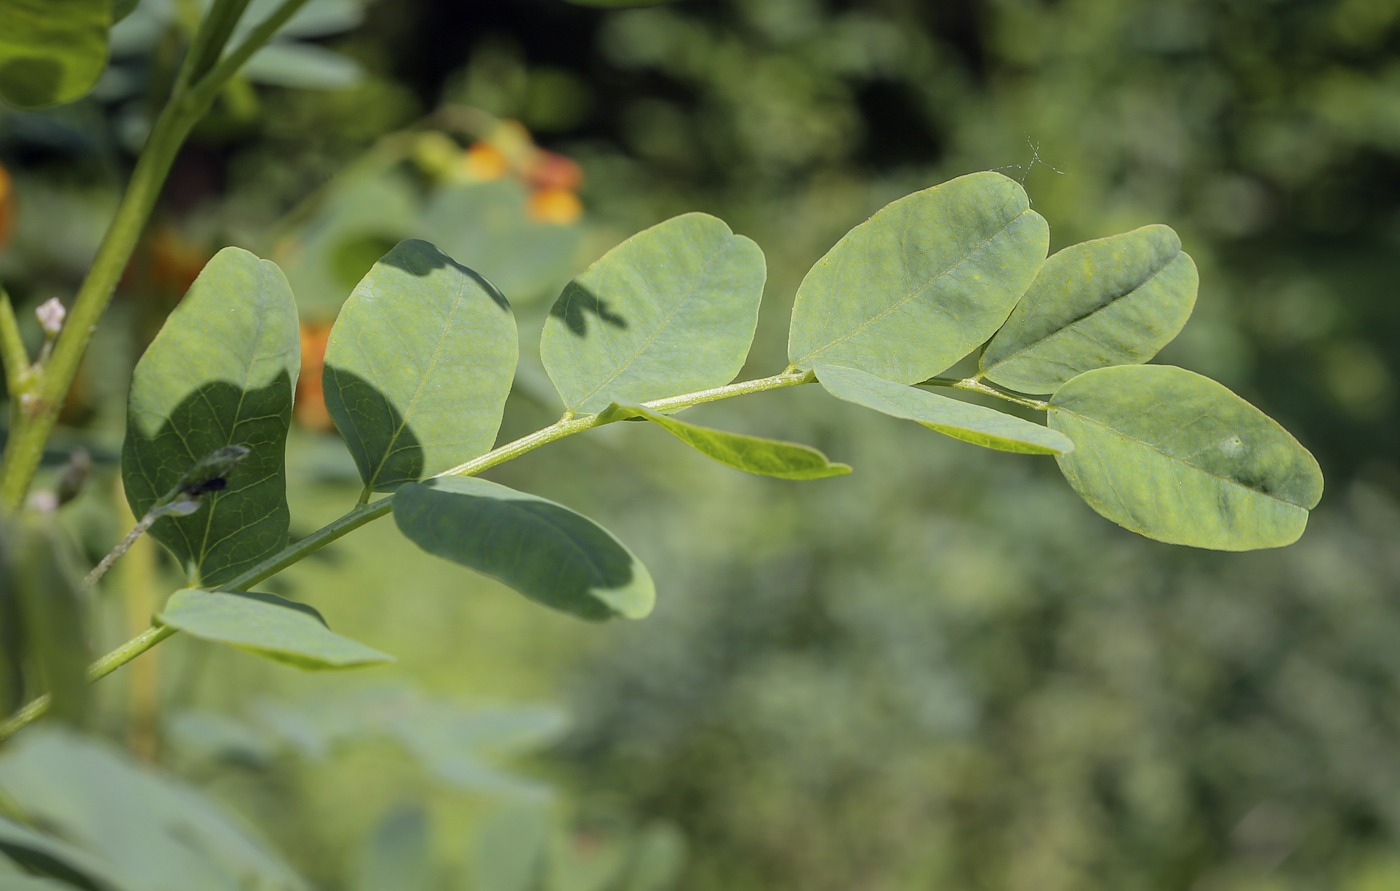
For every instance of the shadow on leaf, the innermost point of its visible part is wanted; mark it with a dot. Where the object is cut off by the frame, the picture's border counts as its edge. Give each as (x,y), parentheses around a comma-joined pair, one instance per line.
(420,258)
(383,444)
(244,522)
(577,303)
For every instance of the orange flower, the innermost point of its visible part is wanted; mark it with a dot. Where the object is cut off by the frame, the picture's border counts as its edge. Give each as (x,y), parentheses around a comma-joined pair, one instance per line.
(549,170)
(310,408)
(558,206)
(483,162)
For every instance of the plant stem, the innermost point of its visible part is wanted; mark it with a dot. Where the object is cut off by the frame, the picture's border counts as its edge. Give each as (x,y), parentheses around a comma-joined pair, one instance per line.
(365,513)
(973,385)
(16,358)
(186,106)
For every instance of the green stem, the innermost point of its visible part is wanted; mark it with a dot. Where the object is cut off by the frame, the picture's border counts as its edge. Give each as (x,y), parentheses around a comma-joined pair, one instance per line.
(12,351)
(365,513)
(207,88)
(188,104)
(972,385)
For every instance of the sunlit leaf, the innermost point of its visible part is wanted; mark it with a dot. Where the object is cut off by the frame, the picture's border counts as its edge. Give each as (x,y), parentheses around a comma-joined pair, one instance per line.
(51,51)
(1113,301)
(670,310)
(541,549)
(220,373)
(157,834)
(753,454)
(923,282)
(1177,457)
(961,420)
(266,625)
(418,366)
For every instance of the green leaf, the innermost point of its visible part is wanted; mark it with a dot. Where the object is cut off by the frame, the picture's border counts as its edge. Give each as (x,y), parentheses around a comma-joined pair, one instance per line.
(418,366)
(545,551)
(1113,301)
(123,8)
(1177,457)
(670,310)
(52,856)
(398,855)
(923,282)
(54,626)
(766,457)
(971,423)
(512,850)
(266,625)
(219,373)
(51,51)
(302,66)
(144,830)
(486,226)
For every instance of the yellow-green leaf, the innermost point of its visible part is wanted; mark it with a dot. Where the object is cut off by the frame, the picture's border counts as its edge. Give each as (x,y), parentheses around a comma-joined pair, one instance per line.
(752,454)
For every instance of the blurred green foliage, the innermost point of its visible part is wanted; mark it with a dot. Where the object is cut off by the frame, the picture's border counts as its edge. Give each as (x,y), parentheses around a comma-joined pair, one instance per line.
(940,672)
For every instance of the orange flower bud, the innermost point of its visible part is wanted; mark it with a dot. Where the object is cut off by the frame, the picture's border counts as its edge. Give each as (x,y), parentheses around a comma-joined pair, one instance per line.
(310,403)
(483,161)
(549,170)
(558,206)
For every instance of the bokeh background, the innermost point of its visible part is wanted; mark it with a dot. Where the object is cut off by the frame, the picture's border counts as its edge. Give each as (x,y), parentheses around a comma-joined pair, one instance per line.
(941,672)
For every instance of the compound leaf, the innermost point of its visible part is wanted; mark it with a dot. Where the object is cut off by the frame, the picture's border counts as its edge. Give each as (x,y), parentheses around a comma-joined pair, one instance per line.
(1177,457)
(1112,301)
(917,286)
(267,625)
(545,551)
(971,423)
(220,373)
(670,310)
(419,366)
(752,454)
(51,51)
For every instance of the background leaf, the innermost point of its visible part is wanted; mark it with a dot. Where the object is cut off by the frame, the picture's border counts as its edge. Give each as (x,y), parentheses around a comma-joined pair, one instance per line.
(921,283)
(51,51)
(419,366)
(52,610)
(161,835)
(302,66)
(266,625)
(670,310)
(398,855)
(543,550)
(219,373)
(486,226)
(752,454)
(1112,301)
(1177,457)
(961,420)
